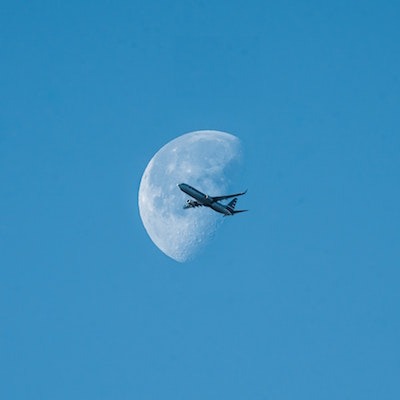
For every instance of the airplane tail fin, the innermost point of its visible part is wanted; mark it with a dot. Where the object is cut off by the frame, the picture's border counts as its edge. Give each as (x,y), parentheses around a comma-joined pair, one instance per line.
(231,207)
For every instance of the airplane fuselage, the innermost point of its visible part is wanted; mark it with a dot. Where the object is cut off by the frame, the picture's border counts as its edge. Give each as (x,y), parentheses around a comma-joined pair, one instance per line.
(204,199)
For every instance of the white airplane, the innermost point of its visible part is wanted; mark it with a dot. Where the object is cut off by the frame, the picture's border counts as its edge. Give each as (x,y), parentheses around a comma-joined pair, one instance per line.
(205,200)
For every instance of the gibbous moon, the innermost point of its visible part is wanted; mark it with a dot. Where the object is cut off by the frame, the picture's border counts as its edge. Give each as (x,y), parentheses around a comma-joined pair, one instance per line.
(207,160)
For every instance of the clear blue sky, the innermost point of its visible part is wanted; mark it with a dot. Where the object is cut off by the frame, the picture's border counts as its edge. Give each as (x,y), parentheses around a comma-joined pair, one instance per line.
(297,299)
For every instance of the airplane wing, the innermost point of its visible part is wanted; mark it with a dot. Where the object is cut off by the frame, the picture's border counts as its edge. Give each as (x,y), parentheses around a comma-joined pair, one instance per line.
(218,198)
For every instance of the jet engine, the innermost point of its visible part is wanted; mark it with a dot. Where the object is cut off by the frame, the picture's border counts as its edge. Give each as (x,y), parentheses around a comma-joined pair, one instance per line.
(191,203)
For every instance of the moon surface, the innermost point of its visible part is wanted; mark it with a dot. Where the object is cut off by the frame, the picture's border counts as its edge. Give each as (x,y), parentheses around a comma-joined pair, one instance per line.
(207,160)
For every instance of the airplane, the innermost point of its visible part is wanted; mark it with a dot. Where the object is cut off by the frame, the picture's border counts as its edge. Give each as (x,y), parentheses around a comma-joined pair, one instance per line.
(205,200)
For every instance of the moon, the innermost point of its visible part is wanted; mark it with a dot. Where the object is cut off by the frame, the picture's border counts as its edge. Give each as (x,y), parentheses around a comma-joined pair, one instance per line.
(208,160)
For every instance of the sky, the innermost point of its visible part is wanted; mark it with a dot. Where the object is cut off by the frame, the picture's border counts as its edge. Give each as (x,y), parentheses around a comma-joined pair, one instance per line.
(296,299)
